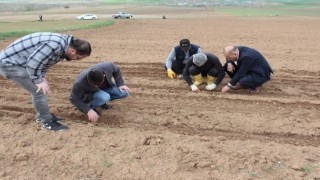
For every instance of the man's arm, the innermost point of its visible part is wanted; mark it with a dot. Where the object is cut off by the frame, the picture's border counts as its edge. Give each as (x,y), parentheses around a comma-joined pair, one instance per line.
(170,58)
(219,68)
(199,50)
(245,66)
(76,98)
(117,76)
(186,74)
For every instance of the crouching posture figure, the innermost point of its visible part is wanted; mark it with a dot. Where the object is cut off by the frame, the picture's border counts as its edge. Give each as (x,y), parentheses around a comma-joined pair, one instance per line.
(94,88)
(176,61)
(247,69)
(201,65)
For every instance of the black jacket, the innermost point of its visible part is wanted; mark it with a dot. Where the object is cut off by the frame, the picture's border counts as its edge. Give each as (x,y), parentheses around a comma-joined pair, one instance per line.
(252,62)
(213,62)
(82,91)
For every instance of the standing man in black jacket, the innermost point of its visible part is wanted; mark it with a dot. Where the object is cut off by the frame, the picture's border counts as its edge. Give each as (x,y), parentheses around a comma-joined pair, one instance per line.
(176,60)
(203,64)
(94,88)
(246,67)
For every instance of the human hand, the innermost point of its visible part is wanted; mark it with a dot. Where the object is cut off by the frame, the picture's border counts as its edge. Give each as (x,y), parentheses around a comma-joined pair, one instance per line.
(194,88)
(92,116)
(211,87)
(171,74)
(230,67)
(225,89)
(43,86)
(124,88)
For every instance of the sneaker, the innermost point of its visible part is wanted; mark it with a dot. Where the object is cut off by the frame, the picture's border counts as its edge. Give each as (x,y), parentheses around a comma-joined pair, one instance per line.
(54,126)
(106,107)
(54,118)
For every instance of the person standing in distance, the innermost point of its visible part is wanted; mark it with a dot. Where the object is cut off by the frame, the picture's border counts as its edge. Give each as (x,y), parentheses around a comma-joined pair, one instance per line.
(26,61)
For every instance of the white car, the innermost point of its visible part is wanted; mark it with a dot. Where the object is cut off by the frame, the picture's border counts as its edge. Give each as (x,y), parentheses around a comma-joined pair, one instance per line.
(122,15)
(87,17)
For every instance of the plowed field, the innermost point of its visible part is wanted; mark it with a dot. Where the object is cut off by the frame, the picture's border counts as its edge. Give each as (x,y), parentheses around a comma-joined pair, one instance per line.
(165,131)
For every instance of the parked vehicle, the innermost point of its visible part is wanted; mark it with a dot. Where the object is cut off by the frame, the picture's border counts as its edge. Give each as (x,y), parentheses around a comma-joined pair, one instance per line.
(122,15)
(87,17)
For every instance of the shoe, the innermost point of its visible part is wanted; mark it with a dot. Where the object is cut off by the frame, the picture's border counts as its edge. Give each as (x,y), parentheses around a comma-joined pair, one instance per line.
(54,126)
(257,90)
(106,107)
(180,76)
(54,118)
(236,87)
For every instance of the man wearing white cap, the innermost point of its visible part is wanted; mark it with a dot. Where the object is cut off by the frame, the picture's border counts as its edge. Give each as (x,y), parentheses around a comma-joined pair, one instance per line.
(203,64)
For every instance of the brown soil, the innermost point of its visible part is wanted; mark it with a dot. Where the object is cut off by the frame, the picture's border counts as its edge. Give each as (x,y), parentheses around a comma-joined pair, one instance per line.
(165,131)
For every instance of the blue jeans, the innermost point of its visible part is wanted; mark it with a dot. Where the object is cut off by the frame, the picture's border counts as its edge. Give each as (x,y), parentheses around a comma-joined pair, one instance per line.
(103,96)
(19,75)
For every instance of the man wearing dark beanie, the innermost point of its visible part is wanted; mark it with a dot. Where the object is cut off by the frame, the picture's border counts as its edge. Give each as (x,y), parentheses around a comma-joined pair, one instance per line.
(94,88)
(176,61)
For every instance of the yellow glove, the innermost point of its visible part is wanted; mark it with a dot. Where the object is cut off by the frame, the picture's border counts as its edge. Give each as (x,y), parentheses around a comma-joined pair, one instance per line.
(171,74)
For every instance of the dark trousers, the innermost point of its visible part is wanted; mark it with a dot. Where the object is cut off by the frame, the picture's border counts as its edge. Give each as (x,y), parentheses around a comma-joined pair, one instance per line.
(176,67)
(194,70)
(253,80)
(247,81)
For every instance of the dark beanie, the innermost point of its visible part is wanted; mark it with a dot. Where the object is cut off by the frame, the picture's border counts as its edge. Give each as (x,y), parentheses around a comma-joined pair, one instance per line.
(95,77)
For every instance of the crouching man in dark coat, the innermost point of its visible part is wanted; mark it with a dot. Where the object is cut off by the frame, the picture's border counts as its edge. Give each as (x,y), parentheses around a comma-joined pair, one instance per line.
(94,88)
(200,65)
(246,67)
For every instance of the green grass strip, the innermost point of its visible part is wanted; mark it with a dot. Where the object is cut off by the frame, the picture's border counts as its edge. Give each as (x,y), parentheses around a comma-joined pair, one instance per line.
(18,29)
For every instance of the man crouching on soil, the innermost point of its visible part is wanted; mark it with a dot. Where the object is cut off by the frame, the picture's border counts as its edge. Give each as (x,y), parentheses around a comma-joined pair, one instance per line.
(94,88)
(203,64)
(247,69)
